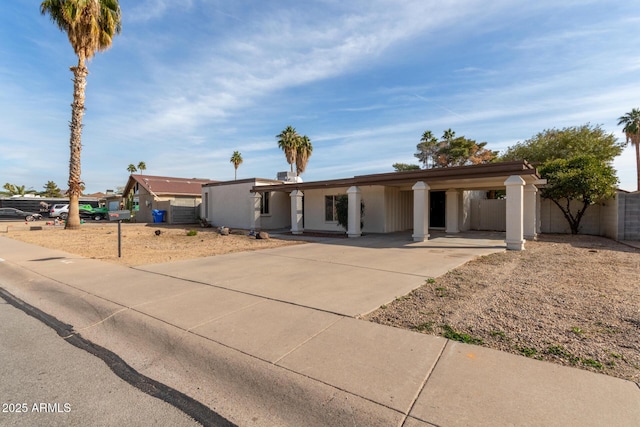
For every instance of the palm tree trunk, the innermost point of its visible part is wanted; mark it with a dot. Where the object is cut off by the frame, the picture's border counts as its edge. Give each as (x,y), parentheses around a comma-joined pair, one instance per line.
(75,143)
(638,163)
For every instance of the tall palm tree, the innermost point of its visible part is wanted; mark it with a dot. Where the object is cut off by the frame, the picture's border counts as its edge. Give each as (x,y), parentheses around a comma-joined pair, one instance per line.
(236,159)
(631,122)
(142,166)
(303,152)
(288,141)
(90,26)
(131,168)
(427,149)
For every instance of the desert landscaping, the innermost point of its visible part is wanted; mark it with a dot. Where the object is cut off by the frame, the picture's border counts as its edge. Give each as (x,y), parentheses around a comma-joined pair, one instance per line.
(572,300)
(140,243)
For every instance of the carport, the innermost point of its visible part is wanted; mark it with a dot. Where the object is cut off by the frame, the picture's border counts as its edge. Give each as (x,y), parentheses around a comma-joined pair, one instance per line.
(400,200)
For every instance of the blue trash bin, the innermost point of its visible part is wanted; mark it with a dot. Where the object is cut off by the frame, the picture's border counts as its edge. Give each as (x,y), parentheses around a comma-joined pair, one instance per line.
(158,215)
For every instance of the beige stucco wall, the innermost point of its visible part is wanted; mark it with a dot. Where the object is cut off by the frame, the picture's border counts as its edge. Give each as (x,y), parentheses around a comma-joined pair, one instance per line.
(373,198)
(279,215)
(231,205)
(314,209)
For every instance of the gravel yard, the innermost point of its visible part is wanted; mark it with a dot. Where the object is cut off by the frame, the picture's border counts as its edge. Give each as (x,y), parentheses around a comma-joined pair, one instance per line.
(572,300)
(139,242)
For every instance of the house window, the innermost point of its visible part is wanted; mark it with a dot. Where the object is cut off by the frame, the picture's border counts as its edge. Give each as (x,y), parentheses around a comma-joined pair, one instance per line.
(264,203)
(330,208)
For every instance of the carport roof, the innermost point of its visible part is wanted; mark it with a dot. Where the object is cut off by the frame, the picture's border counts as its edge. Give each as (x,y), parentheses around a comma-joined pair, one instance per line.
(463,176)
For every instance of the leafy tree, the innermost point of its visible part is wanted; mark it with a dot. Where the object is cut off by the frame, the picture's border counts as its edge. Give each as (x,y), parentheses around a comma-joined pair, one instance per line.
(451,151)
(51,189)
(631,122)
(585,179)
(142,166)
(303,152)
(566,143)
(90,26)
(236,159)
(132,168)
(288,141)
(461,151)
(401,167)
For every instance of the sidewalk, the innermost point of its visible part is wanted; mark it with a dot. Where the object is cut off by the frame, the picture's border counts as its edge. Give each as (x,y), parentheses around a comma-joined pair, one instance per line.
(270,338)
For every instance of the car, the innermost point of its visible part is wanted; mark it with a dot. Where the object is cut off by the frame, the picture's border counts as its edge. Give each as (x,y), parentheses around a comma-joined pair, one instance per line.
(12,214)
(90,214)
(59,211)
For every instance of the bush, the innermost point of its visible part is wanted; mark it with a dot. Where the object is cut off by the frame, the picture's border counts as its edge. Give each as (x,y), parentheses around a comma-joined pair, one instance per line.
(342,211)
(192,233)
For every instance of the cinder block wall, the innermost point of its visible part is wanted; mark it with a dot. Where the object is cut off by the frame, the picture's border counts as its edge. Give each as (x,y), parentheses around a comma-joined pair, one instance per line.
(629,216)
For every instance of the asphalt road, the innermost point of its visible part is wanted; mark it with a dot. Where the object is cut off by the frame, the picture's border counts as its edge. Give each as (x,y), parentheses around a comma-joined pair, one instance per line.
(45,380)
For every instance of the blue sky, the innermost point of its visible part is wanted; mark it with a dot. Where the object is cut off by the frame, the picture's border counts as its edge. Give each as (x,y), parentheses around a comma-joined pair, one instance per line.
(190,81)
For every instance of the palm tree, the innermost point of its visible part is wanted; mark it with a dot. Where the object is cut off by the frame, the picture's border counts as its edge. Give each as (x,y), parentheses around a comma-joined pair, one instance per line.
(131,168)
(303,152)
(427,149)
(448,135)
(90,26)
(236,159)
(16,190)
(288,141)
(142,166)
(631,122)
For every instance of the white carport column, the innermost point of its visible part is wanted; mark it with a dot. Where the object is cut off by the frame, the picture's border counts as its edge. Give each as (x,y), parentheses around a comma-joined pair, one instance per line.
(254,220)
(296,211)
(452,212)
(355,199)
(515,215)
(420,211)
(530,215)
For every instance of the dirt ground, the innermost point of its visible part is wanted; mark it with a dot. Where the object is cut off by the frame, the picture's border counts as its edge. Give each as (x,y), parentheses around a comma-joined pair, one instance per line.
(572,300)
(139,242)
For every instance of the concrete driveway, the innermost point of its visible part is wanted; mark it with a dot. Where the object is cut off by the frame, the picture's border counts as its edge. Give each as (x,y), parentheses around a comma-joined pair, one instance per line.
(343,276)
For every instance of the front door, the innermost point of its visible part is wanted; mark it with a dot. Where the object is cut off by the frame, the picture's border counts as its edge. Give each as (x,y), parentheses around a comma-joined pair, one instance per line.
(437,201)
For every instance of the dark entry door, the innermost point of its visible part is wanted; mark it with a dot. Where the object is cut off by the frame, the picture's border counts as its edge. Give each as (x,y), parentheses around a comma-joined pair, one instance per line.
(437,209)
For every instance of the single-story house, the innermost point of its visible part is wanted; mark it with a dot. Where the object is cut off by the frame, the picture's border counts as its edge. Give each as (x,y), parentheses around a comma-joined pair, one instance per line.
(398,201)
(179,197)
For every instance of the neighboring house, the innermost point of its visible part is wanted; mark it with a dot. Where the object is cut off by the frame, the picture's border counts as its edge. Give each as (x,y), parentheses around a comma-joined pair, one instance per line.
(398,201)
(179,197)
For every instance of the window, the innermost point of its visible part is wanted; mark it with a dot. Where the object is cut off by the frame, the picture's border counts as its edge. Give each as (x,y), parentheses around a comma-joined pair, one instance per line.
(330,208)
(264,203)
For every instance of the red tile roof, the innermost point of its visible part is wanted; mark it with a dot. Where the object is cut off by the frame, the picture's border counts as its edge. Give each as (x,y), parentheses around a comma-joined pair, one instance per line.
(167,185)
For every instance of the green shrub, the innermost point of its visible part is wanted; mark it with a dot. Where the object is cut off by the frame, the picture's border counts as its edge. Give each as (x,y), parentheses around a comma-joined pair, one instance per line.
(342,211)
(192,233)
